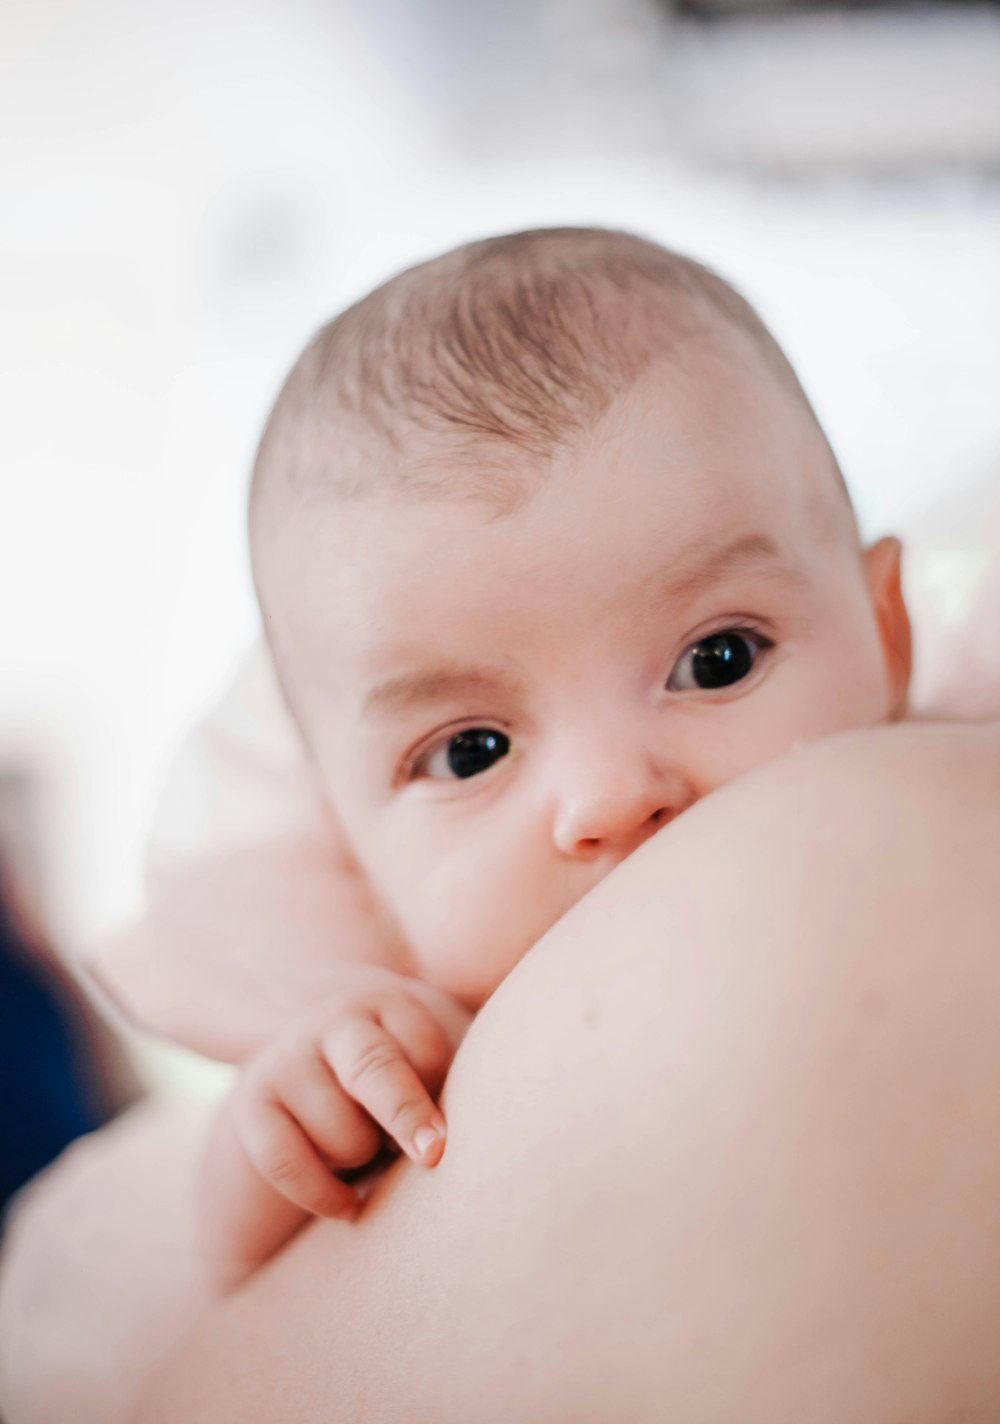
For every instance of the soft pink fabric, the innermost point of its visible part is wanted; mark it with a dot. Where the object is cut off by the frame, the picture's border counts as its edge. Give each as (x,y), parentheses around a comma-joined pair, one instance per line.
(244,862)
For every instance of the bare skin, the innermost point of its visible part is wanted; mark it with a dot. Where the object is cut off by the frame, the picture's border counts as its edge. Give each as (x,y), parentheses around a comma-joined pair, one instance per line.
(725,1146)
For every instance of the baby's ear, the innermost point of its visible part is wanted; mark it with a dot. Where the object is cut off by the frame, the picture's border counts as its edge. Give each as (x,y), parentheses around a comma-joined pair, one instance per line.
(882,573)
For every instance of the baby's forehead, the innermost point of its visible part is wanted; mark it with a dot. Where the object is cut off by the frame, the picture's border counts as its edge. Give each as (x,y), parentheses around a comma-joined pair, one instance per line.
(712,437)
(464,506)
(490,481)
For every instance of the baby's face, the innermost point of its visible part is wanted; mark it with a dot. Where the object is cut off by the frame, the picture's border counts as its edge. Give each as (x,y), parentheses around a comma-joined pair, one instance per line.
(502,711)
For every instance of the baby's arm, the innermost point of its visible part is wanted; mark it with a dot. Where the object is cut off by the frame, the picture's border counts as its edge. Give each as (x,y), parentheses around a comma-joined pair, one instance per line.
(371,1055)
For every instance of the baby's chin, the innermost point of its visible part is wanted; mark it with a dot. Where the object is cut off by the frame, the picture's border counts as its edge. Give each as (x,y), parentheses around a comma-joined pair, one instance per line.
(469,991)
(471,984)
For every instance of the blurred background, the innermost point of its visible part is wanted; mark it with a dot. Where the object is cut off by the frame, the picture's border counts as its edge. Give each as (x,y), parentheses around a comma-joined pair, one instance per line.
(188,190)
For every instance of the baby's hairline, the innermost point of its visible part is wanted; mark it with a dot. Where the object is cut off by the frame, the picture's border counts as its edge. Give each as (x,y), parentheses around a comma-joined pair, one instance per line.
(516,475)
(526,337)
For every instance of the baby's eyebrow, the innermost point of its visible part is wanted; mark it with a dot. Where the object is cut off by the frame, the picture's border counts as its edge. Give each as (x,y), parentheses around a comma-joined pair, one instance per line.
(430,685)
(747,552)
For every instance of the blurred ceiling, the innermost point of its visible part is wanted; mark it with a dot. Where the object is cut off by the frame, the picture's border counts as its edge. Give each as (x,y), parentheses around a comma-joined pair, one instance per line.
(712,8)
(790,87)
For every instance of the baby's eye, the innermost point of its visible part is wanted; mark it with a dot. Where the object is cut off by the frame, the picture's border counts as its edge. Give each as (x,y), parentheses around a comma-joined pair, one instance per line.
(466,754)
(720,660)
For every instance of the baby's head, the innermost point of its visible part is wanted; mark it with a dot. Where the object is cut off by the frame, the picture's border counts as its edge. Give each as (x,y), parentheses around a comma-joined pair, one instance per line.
(549,545)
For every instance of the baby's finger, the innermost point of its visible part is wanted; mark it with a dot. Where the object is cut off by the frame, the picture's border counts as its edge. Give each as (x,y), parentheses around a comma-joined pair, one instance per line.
(338,1127)
(422,1037)
(371,1067)
(282,1154)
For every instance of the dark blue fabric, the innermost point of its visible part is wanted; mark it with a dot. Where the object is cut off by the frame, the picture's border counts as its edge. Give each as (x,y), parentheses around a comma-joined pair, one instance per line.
(48,1095)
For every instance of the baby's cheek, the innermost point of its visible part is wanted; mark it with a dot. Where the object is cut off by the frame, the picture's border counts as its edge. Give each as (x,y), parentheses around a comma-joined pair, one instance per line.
(477,915)
(456,931)
(844,681)
(854,695)
(461,957)
(794,712)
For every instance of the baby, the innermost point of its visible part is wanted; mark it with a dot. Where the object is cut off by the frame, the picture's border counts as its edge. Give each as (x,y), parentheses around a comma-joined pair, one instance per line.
(549,545)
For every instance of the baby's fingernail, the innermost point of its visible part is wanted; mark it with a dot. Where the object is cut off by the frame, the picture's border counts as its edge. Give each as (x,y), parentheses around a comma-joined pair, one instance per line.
(427,1138)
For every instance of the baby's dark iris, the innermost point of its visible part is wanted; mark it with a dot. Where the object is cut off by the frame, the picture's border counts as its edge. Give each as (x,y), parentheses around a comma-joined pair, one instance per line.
(476,750)
(721,660)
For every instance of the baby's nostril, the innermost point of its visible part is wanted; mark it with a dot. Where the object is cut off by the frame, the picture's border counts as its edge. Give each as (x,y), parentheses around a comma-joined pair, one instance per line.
(662,817)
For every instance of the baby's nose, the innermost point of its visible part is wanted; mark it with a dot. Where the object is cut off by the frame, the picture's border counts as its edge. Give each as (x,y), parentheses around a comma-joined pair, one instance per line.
(617,805)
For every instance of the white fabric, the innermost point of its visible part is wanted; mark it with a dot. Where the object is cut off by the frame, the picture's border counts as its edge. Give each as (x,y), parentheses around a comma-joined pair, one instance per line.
(239,777)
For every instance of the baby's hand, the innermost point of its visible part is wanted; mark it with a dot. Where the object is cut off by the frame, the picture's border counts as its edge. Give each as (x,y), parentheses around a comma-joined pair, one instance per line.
(371,1055)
